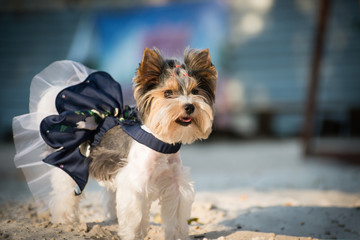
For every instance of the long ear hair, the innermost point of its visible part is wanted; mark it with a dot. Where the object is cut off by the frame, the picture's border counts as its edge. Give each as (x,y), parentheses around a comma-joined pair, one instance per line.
(199,66)
(149,71)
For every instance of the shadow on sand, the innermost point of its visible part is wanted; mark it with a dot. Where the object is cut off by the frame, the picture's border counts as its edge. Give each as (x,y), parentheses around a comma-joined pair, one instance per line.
(318,222)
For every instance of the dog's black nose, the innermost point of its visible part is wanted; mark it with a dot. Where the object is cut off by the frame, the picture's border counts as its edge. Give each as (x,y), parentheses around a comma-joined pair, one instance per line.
(189,108)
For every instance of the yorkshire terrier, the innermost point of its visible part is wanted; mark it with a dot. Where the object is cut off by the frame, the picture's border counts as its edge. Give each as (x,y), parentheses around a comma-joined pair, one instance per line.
(175,103)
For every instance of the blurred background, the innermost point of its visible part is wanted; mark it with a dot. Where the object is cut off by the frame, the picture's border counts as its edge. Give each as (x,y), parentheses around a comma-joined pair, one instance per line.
(265,52)
(288,96)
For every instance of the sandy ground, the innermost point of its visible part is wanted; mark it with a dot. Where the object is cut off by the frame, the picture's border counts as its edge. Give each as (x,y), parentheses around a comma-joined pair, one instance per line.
(245,190)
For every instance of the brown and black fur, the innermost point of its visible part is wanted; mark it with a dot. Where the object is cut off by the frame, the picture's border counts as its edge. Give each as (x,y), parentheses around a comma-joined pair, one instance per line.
(110,155)
(153,72)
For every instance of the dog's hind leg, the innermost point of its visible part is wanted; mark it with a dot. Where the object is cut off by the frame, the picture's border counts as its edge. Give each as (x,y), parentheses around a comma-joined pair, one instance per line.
(64,204)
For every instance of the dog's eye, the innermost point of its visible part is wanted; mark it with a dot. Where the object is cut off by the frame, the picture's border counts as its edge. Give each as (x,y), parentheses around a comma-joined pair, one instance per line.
(168,93)
(195,91)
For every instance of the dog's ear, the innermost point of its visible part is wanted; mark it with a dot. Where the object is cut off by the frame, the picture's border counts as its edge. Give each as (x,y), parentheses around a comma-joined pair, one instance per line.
(199,66)
(150,68)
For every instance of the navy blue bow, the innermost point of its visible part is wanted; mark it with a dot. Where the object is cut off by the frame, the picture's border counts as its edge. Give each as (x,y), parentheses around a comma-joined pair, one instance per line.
(86,112)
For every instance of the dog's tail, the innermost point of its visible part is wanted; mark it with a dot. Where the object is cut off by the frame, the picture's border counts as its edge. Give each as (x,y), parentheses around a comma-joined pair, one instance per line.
(30,147)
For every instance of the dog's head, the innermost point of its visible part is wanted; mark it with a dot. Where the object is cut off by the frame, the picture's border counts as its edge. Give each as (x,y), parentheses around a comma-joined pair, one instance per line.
(174,99)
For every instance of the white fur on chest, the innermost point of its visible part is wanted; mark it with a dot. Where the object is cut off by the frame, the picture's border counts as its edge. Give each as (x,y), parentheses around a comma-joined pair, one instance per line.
(147,169)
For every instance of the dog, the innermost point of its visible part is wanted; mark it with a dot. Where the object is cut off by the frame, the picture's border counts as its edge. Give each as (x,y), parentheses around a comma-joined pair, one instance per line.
(175,105)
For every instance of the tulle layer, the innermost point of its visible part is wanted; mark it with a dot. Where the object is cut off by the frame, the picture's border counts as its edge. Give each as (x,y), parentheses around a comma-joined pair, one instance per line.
(30,147)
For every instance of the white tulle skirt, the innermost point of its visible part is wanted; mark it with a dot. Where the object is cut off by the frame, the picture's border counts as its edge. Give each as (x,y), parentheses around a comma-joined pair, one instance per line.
(30,147)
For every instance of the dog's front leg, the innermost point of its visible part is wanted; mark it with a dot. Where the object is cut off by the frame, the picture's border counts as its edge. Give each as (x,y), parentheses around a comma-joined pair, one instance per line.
(132,213)
(109,202)
(132,201)
(176,200)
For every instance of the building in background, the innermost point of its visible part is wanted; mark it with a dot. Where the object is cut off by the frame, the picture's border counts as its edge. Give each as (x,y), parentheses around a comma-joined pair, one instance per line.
(268,60)
(108,37)
(262,49)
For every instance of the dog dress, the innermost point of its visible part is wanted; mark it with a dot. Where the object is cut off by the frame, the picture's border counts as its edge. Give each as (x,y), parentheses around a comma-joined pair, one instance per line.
(71,108)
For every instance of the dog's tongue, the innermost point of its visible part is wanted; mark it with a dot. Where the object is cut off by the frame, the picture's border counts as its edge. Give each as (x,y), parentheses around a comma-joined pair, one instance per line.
(185,119)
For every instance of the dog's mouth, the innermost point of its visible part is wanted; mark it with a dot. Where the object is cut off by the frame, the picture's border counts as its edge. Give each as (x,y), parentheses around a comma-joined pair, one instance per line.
(184,121)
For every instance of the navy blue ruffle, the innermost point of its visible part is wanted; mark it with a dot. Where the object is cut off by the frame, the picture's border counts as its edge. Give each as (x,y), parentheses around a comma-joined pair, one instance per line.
(99,91)
(143,137)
